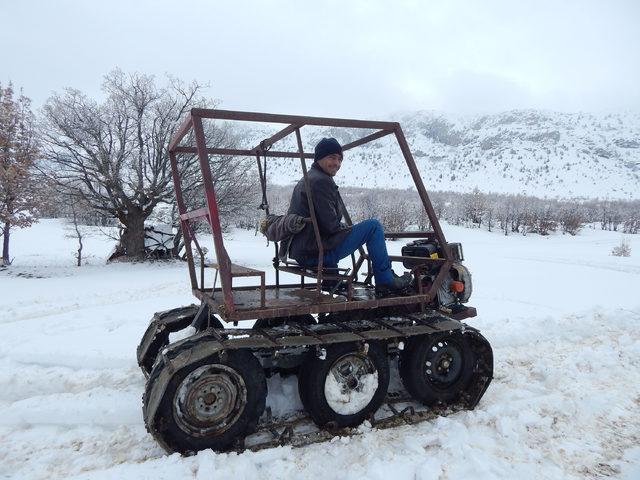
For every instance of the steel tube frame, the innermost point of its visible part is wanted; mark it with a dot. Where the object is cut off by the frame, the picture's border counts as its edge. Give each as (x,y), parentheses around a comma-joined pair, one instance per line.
(222,257)
(184,223)
(291,119)
(426,202)
(194,123)
(240,152)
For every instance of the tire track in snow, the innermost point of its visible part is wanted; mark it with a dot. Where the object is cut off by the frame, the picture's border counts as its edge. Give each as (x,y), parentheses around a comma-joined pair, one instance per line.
(19,381)
(117,298)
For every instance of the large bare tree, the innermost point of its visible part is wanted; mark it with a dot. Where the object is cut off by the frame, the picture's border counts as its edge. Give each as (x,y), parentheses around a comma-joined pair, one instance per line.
(18,151)
(113,155)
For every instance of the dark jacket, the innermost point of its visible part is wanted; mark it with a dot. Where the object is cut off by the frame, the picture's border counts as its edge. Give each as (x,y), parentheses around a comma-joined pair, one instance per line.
(326,203)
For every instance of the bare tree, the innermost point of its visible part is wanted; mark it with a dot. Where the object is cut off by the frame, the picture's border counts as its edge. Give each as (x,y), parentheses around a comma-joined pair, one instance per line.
(18,151)
(439,206)
(421,217)
(571,219)
(611,215)
(114,156)
(632,225)
(474,206)
(489,212)
(394,214)
(520,211)
(369,205)
(504,212)
(541,218)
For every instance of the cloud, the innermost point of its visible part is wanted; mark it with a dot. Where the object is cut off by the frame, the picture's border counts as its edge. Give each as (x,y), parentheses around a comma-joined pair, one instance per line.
(472,92)
(339,58)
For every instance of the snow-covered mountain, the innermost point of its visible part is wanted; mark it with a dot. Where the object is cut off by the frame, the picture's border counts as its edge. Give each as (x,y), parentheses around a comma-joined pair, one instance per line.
(546,154)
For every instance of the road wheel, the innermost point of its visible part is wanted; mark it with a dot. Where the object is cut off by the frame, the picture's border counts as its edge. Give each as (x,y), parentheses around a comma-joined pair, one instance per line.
(211,403)
(343,387)
(436,369)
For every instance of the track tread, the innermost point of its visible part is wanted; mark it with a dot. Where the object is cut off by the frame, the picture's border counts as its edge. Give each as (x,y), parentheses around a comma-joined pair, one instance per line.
(400,330)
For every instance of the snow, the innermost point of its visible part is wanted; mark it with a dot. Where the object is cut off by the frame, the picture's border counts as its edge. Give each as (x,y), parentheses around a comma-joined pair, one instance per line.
(561,313)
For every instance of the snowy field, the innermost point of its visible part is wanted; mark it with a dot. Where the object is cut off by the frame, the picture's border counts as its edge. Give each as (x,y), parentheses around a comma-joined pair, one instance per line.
(562,315)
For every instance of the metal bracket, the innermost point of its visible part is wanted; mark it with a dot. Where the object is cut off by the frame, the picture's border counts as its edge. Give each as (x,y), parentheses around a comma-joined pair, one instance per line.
(201,320)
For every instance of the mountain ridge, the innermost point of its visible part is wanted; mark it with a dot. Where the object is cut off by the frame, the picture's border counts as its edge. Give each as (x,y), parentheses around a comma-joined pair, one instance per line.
(533,152)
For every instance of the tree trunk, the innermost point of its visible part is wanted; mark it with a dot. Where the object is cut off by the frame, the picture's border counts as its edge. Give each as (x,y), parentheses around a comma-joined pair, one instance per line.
(5,244)
(79,254)
(132,240)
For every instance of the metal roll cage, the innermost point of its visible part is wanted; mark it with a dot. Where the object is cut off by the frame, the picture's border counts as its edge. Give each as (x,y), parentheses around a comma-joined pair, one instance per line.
(309,301)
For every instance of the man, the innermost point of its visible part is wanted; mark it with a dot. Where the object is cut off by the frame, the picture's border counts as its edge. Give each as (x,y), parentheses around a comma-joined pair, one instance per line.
(338,240)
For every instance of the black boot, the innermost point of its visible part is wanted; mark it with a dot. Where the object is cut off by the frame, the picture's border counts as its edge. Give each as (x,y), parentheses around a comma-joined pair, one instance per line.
(398,286)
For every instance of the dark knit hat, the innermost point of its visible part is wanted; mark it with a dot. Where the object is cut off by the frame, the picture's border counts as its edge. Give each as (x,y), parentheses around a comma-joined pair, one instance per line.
(325,147)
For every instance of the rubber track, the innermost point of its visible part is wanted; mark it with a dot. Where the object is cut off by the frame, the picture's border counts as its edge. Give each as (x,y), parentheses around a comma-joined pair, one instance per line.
(289,431)
(399,408)
(298,430)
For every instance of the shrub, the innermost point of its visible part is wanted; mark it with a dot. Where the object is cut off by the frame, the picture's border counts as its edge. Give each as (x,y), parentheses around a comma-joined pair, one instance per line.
(622,250)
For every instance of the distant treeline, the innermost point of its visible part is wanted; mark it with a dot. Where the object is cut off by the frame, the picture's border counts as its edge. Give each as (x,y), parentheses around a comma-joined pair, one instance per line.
(512,214)
(399,210)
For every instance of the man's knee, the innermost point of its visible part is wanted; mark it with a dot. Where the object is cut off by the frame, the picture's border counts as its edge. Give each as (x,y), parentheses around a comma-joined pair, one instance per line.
(373,224)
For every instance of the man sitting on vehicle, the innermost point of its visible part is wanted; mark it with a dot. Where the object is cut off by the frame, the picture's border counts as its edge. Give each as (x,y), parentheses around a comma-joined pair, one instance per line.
(338,240)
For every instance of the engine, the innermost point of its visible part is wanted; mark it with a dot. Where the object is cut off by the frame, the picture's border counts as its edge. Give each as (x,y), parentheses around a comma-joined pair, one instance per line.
(456,287)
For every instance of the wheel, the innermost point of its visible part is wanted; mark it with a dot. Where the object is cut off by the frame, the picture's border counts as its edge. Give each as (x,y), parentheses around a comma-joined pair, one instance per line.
(344,387)
(278,321)
(211,403)
(437,369)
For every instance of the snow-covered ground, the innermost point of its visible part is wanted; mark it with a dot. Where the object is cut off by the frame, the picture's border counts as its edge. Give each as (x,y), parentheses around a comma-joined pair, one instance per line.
(561,313)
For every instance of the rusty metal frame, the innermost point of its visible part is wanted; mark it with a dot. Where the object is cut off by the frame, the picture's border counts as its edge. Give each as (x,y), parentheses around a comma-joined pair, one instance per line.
(294,123)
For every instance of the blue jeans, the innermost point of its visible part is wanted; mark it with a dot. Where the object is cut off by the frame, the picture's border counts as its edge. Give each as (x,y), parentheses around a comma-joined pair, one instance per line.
(371,233)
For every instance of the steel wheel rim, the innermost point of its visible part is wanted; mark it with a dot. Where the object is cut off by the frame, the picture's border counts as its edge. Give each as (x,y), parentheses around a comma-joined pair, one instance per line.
(209,400)
(353,374)
(443,364)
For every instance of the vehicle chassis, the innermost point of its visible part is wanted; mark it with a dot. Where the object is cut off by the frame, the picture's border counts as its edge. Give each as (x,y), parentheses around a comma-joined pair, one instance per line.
(357,316)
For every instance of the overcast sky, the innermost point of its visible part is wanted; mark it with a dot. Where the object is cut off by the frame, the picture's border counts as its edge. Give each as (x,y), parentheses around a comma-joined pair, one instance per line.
(340,58)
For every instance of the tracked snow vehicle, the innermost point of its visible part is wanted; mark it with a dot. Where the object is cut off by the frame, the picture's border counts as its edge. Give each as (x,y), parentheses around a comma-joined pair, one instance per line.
(208,389)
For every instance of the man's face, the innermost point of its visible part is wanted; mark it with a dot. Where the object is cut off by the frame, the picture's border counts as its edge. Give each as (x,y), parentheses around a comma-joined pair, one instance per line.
(331,164)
